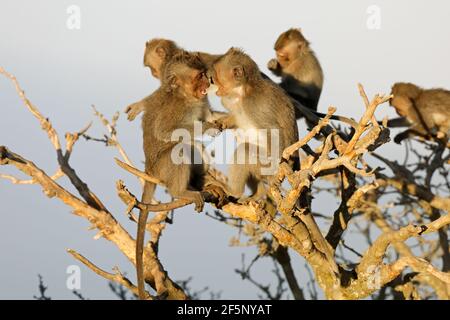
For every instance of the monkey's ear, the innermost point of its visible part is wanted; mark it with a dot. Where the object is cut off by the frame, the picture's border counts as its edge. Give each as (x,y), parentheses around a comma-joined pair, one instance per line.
(161,52)
(173,81)
(238,72)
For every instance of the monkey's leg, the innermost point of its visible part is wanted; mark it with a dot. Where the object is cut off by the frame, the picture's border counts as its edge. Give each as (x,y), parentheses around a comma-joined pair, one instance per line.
(179,179)
(237,177)
(147,195)
(256,185)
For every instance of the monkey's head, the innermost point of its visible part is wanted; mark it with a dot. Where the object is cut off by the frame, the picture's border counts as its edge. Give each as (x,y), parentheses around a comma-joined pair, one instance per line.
(289,45)
(403,96)
(232,70)
(185,74)
(157,53)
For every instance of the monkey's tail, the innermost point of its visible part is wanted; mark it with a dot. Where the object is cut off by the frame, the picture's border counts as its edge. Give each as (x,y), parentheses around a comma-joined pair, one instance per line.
(397,122)
(147,196)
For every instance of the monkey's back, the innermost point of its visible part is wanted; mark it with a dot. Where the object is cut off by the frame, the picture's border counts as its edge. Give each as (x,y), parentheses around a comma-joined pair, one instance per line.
(275,111)
(434,105)
(310,71)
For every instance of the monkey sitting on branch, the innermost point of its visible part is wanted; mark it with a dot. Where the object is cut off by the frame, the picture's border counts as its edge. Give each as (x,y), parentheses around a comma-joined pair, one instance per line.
(298,67)
(262,111)
(177,104)
(301,76)
(427,111)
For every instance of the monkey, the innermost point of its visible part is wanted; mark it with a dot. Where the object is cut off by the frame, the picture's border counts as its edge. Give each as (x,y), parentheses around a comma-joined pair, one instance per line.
(254,103)
(427,111)
(302,76)
(300,70)
(176,104)
(158,52)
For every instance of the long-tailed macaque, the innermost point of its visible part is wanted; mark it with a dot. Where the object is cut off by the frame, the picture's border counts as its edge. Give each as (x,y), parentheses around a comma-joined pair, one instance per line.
(177,104)
(302,76)
(427,111)
(254,104)
(158,52)
(297,65)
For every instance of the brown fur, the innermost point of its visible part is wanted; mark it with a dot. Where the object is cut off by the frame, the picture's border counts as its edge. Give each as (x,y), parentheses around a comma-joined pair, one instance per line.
(253,102)
(297,65)
(158,52)
(428,111)
(175,105)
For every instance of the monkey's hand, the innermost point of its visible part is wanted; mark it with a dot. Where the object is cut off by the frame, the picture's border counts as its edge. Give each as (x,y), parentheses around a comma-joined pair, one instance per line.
(226,122)
(199,202)
(211,128)
(274,66)
(133,110)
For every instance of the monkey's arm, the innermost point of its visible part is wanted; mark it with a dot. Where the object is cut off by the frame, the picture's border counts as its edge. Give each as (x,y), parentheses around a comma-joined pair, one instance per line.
(133,110)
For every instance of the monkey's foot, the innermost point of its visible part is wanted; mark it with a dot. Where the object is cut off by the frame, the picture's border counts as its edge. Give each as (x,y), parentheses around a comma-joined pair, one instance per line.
(248,200)
(217,193)
(199,203)
(196,198)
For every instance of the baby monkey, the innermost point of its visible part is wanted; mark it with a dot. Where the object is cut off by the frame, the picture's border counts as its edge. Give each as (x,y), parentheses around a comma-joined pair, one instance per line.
(177,104)
(297,65)
(158,52)
(427,111)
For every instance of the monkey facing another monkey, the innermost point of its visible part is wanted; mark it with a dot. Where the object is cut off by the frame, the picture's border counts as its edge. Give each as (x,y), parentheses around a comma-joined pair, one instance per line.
(255,104)
(427,111)
(176,104)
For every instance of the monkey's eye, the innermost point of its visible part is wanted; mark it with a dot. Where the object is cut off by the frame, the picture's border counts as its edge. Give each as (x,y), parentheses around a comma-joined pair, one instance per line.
(200,75)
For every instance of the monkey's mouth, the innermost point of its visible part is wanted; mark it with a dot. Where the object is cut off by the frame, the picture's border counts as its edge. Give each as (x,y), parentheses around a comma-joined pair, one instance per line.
(204,92)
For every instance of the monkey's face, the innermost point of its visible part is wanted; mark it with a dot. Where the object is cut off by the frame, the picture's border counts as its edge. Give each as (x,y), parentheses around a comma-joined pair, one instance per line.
(223,78)
(193,83)
(287,53)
